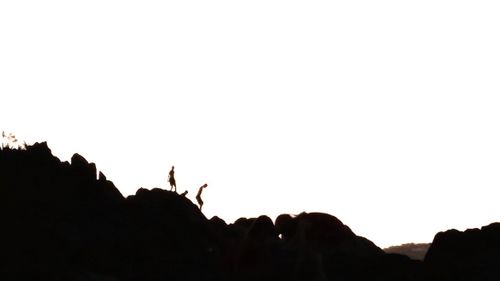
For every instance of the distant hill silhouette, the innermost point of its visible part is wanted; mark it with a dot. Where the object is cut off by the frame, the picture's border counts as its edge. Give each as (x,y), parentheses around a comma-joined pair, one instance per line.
(62,221)
(412,250)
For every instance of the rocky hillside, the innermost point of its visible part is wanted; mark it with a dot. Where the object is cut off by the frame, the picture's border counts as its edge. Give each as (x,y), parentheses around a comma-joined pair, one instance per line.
(62,221)
(473,254)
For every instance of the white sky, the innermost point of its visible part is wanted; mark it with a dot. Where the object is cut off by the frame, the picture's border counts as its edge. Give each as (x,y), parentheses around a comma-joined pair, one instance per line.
(382,113)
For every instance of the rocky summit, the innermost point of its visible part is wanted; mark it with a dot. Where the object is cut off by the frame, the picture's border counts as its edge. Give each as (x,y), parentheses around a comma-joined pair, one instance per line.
(62,221)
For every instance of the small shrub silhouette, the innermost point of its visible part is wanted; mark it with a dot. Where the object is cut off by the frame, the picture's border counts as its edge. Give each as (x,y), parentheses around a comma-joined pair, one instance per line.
(10,141)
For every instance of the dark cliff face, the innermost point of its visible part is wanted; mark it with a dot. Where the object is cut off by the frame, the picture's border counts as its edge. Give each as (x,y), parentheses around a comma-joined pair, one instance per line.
(470,255)
(60,221)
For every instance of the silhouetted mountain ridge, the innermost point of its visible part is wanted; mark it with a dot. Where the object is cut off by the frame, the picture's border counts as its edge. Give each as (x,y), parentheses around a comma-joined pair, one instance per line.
(63,222)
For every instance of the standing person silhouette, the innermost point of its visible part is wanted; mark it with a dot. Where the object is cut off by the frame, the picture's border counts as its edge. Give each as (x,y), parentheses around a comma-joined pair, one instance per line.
(198,196)
(171,180)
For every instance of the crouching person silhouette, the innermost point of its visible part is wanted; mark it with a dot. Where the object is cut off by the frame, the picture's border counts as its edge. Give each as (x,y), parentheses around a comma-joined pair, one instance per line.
(198,196)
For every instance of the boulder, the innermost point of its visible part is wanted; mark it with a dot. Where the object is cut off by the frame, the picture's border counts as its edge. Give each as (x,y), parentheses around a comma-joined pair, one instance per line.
(473,254)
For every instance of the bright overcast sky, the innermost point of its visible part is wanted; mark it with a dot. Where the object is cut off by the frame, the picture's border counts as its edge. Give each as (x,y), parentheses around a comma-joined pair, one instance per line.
(385,114)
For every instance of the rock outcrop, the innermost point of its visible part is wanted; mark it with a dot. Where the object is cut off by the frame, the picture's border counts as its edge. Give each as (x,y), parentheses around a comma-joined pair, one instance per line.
(62,221)
(473,254)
